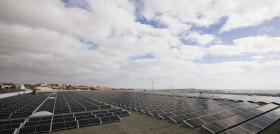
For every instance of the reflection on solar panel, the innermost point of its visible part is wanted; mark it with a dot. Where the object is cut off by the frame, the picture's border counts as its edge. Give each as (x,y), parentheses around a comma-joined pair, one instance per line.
(218,114)
(220,125)
(258,124)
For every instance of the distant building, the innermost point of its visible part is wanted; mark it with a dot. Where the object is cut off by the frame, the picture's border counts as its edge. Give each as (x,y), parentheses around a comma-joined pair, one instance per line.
(43,88)
(22,87)
(30,86)
(83,87)
(71,87)
(1,85)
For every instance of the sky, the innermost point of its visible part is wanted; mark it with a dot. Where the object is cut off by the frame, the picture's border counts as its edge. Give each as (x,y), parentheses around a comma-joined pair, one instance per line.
(208,44)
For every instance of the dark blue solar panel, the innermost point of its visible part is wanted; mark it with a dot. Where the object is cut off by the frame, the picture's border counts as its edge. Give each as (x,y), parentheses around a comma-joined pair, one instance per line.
(27,130)
(105,120)
(42,128)
(8,131)
(71,124)
(58,126)
(58,120)
(95,121)
(84,122)
(115,118)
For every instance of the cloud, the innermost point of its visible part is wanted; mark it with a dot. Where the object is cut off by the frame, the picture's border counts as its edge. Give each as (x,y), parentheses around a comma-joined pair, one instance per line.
(252,44)
(102,42)
(258,57)
(202,39)
(250,13)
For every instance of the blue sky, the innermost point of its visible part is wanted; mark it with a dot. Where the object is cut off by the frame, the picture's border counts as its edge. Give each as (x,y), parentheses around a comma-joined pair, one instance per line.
(211,44)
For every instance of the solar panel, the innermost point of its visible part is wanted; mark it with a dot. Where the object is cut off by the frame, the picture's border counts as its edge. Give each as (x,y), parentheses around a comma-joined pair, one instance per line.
(69,119)
(42,128)
(250,127)
(42,122)
(46,118)
(81,117)
(18,121)
(4,122)
(105,120)
(68,115)
(115,118)
(27,130)
(236,119)
(178,118)
(259,122)
(245,116)
(207,118)
(71,124)
(11,126)
(193,122)
(84,122)
(111,114)
(95,121)
(58,120)
(58,126)
(31,124)
(9,131)
(33,119)
(192,115)
(90,116)
(166,115)
(213,127)
(152,113)
(101,115)
(238,130)
(226,122)
(58,117)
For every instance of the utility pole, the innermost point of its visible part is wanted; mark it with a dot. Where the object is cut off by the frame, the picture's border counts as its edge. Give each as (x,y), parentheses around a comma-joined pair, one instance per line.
(152,85)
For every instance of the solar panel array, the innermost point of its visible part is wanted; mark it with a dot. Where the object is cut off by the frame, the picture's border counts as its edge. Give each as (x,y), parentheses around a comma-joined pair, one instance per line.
(217,126)
(212,115)
(21,105)
(69,110)
(258,124)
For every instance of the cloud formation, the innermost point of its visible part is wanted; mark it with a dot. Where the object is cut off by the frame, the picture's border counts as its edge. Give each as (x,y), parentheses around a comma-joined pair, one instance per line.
(129,43)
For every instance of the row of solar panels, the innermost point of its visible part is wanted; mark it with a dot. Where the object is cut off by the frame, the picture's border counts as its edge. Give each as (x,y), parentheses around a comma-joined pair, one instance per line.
(217,125)
(178,114)
(61,122)
(256,125)
(20,106)
(213,116)
(61,102)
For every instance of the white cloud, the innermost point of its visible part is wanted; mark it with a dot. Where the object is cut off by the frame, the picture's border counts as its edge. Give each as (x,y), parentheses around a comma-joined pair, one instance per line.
(253,44)
(257,57)
(40,42)
(202,39)
(248,13)
(239,13)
